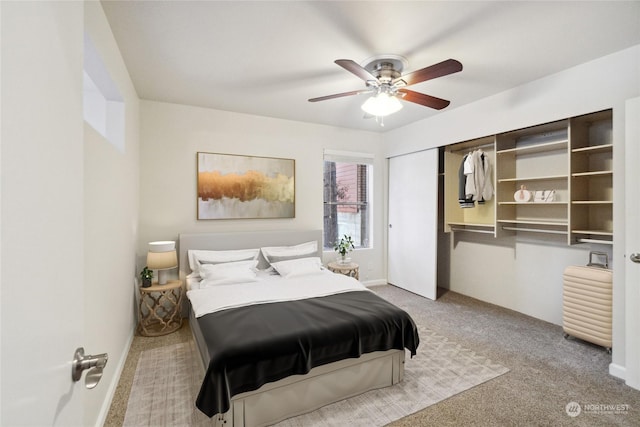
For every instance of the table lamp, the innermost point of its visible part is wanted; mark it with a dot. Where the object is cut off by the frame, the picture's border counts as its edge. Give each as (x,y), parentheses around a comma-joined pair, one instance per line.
(162,257)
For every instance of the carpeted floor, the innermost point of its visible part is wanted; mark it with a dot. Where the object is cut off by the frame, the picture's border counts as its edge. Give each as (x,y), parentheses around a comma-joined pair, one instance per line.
(167,381)
(546,374)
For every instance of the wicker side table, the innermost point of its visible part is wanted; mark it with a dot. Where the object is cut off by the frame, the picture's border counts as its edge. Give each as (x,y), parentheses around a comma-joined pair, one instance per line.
(160,309)
(351,269)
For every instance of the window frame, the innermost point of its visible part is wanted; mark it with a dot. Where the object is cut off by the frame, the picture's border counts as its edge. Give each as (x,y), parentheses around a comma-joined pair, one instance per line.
(361,160)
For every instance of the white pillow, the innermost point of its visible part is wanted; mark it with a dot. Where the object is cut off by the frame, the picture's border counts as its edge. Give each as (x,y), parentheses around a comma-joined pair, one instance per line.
(283,253)
(228,273)
(298,267)
(199,257)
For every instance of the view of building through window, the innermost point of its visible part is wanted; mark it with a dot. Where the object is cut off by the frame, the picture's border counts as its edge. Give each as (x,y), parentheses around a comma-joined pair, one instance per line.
(346,203)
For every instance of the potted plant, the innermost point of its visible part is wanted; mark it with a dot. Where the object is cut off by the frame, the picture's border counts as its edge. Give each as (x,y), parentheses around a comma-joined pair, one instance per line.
(343,247)
(146,275)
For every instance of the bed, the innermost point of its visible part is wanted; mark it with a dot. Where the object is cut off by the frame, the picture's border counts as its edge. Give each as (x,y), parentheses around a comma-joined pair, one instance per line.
(285,340)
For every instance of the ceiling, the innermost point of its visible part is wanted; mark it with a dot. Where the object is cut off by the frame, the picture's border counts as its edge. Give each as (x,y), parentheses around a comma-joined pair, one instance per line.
(268,57)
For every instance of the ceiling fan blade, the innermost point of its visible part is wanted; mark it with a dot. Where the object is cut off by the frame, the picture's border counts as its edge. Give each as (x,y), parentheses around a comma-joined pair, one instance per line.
(356,69)
(444,68)
(340,95)
(422,99)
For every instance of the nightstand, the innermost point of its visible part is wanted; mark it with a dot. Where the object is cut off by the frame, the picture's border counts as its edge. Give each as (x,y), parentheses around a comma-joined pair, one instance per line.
(351,269)
(160,309)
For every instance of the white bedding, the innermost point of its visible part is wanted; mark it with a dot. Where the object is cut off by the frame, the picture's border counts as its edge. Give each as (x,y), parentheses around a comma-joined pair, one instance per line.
(269,289)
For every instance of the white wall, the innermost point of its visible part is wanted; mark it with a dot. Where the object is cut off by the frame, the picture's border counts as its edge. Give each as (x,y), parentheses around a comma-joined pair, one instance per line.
(171,135)
(110,226)
(518,273)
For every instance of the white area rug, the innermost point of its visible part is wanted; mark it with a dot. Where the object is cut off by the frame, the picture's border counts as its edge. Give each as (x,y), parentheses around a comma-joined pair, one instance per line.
(167,381)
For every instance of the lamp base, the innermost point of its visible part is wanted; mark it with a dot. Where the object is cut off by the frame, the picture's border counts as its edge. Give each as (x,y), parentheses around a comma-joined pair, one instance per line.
(162,277)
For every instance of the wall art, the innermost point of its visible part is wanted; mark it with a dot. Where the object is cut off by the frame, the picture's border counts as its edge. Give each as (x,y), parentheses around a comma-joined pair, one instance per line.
(233,186)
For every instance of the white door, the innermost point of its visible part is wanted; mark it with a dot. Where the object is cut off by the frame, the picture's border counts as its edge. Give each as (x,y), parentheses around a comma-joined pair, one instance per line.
(413,216)
(632,245)
(41,259)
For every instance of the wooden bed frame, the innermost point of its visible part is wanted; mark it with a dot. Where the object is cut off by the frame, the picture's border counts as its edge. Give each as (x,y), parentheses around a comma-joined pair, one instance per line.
(297,394)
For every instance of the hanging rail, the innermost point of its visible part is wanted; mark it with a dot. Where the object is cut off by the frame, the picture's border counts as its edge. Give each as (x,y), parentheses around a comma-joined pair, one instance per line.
(535,230)
(472,230)
(471,147)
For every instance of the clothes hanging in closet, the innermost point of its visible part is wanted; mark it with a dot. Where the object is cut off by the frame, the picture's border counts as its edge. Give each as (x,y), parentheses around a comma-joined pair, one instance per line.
(474,179)
(462,193)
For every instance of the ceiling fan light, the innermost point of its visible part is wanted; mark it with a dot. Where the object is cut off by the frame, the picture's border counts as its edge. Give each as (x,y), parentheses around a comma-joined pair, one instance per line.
(381,105)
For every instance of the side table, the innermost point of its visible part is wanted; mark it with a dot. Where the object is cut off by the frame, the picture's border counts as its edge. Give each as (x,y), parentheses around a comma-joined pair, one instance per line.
(351,269)
(160,308)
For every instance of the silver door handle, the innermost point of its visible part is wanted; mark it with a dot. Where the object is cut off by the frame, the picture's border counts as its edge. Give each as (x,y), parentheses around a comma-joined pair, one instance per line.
(95,364)
(635,257)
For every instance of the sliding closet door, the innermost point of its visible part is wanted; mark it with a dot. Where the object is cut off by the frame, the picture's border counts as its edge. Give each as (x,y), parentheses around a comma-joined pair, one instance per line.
(413,215)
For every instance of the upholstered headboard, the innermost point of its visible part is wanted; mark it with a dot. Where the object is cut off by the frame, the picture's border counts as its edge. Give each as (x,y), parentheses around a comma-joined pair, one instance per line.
(242,240)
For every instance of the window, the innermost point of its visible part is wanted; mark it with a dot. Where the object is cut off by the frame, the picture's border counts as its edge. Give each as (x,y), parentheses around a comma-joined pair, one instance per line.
(103,106)
(347,198)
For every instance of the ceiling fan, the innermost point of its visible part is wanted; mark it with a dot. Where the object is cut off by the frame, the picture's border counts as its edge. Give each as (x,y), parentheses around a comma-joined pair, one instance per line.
(383,77)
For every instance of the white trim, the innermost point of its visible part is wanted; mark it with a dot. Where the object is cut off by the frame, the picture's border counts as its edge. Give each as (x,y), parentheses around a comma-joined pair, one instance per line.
(631,232)
(106,403)
(617,371)
(348,157)
(375,282)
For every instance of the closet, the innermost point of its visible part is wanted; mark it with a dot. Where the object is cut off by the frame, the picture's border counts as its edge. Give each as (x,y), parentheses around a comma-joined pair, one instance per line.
(554,178)
(481,218)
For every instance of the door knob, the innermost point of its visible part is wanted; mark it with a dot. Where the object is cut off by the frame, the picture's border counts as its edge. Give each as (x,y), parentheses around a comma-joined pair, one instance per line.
(95,364)
(635,257)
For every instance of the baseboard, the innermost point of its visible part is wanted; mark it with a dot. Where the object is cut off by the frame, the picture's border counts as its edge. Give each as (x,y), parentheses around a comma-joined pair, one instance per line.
(104,410)
(375,282)
(618,371)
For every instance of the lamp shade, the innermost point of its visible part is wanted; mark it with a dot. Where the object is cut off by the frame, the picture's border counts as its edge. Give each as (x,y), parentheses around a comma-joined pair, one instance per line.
(381,105)
(162,246)
(162,260)
(162,256)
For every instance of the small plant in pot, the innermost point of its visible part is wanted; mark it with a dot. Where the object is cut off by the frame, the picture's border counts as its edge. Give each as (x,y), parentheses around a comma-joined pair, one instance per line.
(343,247)
(147,276)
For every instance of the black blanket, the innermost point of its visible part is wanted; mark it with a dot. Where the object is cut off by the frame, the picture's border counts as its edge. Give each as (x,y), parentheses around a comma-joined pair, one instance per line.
(253,345)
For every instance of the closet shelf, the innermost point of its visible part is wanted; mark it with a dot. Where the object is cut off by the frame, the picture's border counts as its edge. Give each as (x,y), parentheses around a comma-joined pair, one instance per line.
(594,232)
(535,178)
(603,148)
(602,242)
(594,173)
(532,203)
(592,202)
(537,148)
(468,224)
(558,223)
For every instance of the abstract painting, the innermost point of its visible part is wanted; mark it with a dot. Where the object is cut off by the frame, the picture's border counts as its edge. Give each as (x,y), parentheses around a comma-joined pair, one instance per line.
(232,186)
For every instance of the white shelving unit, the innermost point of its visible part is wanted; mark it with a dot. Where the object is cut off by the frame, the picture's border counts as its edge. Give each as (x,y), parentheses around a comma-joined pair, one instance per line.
(591,219)
(522,156)
(573,157)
